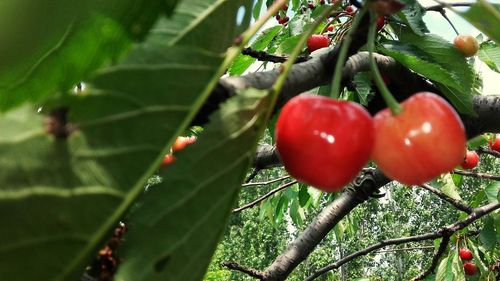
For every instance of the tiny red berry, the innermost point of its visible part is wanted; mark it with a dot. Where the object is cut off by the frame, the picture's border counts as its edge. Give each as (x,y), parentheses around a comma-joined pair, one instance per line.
(465,254)
(317,42)
(380,22)
(322,2)
(285,20)
(471,160)
(167,160)
(278,18)
(349,9)
(330,28)
(470,268)
(311,6)
(495,143)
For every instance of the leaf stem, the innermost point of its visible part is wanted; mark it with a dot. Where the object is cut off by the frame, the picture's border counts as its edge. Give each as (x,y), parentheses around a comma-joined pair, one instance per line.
(337,73)
(391,102)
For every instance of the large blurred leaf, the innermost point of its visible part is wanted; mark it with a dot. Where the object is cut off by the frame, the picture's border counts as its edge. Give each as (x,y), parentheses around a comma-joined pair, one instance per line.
(448,187)
(55,44)
(485,17)
(437,60)
(184,216)
(242,62)
(61,197)
(489,53)
(195,22)
(492,191)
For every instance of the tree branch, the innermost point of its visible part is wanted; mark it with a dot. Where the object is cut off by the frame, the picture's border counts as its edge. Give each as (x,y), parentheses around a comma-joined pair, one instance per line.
(267,195)
(249,271)
(435,258)
(477,175)
(482,150)
(366,184)
(456,203)
(266,182)
(437,8)
(264,56)
(446,231)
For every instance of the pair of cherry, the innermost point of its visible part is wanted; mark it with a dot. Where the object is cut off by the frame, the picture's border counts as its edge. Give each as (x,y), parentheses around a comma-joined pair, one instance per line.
(325,142)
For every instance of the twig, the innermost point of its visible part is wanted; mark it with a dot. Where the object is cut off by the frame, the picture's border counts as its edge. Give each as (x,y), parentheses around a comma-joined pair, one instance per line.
(482,150)
(260,199)
(437,8)
(250,271)
(443,13)
(477,175)
(443,232)
(254,173)
(265,182)
(456,203)
(406,249)
(264,56)
(435,258)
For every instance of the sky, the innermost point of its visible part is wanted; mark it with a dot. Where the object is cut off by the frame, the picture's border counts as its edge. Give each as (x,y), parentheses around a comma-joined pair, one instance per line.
(439,26)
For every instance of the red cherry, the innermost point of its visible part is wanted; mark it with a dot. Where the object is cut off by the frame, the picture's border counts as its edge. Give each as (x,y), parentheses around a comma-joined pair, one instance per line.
(425,140)
(466,44)
(167,160)
(284,20)
(495,144)
(278,18)
(465,254)
(380,22)
(324,142)
(285,7)
(181,142)
(322,2)
(471,160)
(317,42)
(470,268)
(330,28)
(311,6)
(349,9)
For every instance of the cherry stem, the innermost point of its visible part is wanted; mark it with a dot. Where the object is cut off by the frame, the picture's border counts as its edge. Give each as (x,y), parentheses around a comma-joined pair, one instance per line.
(389,99)
(344,49)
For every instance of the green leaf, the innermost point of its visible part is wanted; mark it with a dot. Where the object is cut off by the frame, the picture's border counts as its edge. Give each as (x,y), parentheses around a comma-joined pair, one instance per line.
(196,21)
(185,215)
(242,62)
(304,196)
(316,196)
(488,233)
(256,9)
(438,60)
(457,267)
(287,46)
(482,268)
(98,171)
(492,191)
(444,271)
(485,17)
(489,53)
(448,187)
(412,15)
(62,43)
(363,84)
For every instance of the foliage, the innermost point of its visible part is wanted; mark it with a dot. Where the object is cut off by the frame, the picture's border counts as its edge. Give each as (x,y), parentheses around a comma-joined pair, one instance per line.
(93,93)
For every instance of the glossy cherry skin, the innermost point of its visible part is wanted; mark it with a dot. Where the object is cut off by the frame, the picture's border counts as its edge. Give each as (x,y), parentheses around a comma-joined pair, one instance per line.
(471,160)
(167,160)
(380,22)
(181,142)
(317,42)
(324,142)
(465,254)
(422,142)
(466,44)
(349,9)
(495,144)
(470,268)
